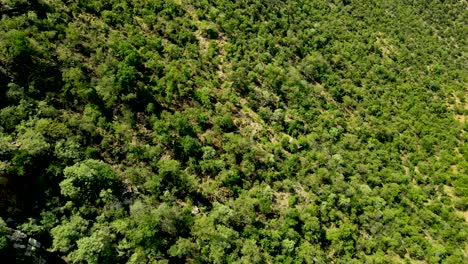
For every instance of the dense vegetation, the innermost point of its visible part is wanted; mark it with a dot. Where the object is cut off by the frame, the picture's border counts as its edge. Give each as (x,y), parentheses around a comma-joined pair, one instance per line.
(203,131)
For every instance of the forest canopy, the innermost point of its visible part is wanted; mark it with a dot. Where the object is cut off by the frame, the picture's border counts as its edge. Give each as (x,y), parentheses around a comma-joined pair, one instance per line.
(201,131)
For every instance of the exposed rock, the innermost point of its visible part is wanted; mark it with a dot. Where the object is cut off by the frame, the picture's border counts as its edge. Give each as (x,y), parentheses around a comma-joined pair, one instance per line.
(24,249)
(33,242)
(19,246)
(10,221)
(18,236)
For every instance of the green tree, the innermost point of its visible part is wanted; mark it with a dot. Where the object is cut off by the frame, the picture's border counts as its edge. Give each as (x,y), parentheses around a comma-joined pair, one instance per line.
(86,179)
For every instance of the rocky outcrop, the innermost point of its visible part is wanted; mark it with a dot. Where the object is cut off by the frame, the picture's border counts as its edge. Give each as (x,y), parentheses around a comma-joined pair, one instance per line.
(24,249)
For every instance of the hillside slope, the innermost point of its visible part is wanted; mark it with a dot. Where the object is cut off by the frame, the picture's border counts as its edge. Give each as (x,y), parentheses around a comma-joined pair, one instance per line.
(248,131)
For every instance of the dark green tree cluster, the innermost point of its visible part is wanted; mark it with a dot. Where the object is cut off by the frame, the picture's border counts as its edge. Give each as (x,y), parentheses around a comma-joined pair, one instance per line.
(200,131)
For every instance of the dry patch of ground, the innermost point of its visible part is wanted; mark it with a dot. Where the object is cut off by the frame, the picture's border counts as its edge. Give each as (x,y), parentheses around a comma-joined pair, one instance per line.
(451,193)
